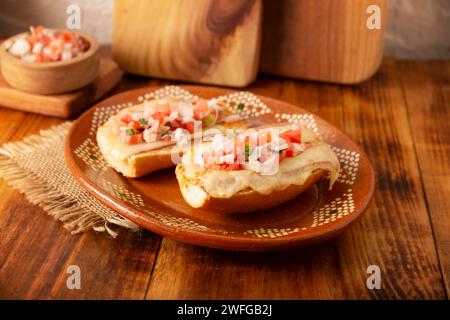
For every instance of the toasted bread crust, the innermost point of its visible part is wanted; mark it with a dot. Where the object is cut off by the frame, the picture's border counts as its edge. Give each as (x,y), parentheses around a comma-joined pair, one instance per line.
(143,163)
(137,165)
(243,201)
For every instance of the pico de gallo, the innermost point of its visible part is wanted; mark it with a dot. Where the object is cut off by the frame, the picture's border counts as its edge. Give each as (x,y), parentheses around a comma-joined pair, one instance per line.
(249,151)
(160,120)
(46,45)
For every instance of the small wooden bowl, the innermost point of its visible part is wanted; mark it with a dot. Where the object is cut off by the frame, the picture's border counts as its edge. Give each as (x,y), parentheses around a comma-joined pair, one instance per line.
(51,77)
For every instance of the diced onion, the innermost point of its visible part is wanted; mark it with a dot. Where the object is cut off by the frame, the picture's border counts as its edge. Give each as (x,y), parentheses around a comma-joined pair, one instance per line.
(149,135)
(20,48)
(232,118)
(229,158)
(298,147)
(173,116)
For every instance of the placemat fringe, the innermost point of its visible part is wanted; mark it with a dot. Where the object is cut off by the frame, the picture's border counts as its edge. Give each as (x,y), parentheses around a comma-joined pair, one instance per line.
(63,207)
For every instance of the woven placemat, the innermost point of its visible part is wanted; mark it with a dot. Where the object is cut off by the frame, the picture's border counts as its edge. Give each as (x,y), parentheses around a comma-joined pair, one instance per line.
(36,167)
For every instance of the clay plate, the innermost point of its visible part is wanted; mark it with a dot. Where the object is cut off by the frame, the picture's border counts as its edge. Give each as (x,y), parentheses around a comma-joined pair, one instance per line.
(155,202)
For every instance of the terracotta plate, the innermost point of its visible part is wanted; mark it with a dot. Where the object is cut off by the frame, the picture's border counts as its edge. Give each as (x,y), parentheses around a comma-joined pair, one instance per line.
(155,202)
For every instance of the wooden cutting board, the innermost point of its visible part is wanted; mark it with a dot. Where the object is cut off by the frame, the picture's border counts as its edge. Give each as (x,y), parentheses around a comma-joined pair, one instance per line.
(62,105)
(321,39)
(206,41)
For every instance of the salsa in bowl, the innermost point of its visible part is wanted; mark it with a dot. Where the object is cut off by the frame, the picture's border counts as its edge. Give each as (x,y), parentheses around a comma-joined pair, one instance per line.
(49,61)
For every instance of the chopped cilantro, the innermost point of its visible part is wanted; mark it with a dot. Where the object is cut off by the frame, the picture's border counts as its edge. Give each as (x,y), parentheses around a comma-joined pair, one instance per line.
(209,119)
(143,122)
(241,106)
(247,151)
(130,132)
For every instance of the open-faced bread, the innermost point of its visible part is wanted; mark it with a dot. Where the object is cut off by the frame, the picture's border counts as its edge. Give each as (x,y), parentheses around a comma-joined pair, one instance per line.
(135,165)
(244,201)
(144,157)
(237,191)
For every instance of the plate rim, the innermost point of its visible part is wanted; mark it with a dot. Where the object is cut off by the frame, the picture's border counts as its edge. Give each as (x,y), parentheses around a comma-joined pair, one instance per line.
(212,240)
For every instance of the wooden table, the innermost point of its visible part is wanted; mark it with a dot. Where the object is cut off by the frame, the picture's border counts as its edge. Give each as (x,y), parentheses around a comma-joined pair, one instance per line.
(401,117)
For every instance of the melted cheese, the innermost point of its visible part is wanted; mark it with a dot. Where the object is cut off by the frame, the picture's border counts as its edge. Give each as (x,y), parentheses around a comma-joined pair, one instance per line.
(120,150)
(108,134)
(292,171)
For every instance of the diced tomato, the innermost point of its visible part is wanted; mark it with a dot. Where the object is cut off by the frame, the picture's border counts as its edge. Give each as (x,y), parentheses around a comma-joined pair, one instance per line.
(38,30)
(127,118)
(175,124)
(159,116)
(31,40)
(296,136)
(201,106)
(282,155)
(198,115)
(289,153)
(67,36)
(189,126)
(55,48)
(45,38)
(164,109)
(134,124)
(292,135)
(230,166)
(53,51)
(40,57)
(134,139)
(285,136)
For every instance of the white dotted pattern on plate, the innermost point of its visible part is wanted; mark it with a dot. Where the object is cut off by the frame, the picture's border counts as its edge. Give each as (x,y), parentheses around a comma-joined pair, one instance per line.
(179,222)
(101,115)
(349,161)
(246,104)
(122,193)
(90,153)
(327,213)
(271,232)
(168,91)
(334,210)
(303,119)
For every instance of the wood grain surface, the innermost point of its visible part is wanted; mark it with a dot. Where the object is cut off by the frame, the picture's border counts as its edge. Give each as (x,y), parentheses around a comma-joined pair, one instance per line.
(297,42)
(217,43)
(400,117)
(429,115)
(63,105)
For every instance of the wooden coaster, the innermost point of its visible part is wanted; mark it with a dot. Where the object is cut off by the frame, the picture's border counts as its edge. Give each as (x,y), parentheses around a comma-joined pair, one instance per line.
(63,105)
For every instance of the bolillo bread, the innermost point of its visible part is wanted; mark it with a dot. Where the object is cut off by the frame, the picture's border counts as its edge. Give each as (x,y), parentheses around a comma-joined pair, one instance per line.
(141,153)
(244,190)
(247,200)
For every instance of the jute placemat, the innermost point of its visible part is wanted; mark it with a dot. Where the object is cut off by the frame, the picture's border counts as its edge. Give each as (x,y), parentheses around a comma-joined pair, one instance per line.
(36,167)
